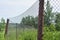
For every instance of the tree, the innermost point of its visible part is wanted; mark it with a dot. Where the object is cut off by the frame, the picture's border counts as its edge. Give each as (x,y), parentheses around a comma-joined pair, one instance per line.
(57,21)
(48,14)
(36,22)
(30,21)
(26,20)
(2,24)
(23,21)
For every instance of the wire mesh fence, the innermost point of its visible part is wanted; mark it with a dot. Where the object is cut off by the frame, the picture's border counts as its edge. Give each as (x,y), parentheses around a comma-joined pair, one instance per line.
(18,31)
(25,26)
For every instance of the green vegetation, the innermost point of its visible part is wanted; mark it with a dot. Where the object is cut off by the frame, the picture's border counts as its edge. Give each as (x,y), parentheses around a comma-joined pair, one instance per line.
(51,30)
(31,34)
(48,15)
(1,35)
(57,21)
(2,24)
(30,21)
(51,35)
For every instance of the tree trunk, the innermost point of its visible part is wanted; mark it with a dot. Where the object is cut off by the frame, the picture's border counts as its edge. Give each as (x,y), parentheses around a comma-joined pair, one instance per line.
(40,19)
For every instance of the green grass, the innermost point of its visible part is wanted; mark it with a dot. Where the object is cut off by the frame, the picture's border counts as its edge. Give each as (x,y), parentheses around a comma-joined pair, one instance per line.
(1,35)
(26,34)
(29,34)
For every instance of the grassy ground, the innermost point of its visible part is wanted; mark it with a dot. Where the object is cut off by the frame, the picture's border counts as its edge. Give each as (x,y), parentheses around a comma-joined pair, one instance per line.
(26,34)
(1,35)
(29,34)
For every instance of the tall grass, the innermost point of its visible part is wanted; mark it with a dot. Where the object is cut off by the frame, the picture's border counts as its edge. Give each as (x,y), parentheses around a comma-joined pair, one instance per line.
(1,35)
(30,34)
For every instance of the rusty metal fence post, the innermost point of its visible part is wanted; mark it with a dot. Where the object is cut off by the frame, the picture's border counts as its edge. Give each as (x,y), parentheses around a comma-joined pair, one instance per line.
(6,28)
(40,19)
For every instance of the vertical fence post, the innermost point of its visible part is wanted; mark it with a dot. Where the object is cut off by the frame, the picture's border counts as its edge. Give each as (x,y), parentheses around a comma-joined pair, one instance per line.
(6,28)
(40,19)
(16,32)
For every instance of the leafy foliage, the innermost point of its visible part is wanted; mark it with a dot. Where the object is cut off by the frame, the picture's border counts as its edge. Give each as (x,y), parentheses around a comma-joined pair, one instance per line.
(57,21)
(48,15)
(2,24)
(30,21)
(49,32)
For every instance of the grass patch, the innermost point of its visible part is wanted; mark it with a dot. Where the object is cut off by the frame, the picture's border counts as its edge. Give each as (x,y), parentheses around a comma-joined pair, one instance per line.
(30,34)
(1,35)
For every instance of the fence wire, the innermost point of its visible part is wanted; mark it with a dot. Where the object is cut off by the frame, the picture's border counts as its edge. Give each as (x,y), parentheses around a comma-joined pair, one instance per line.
(19,29)
(25,26)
